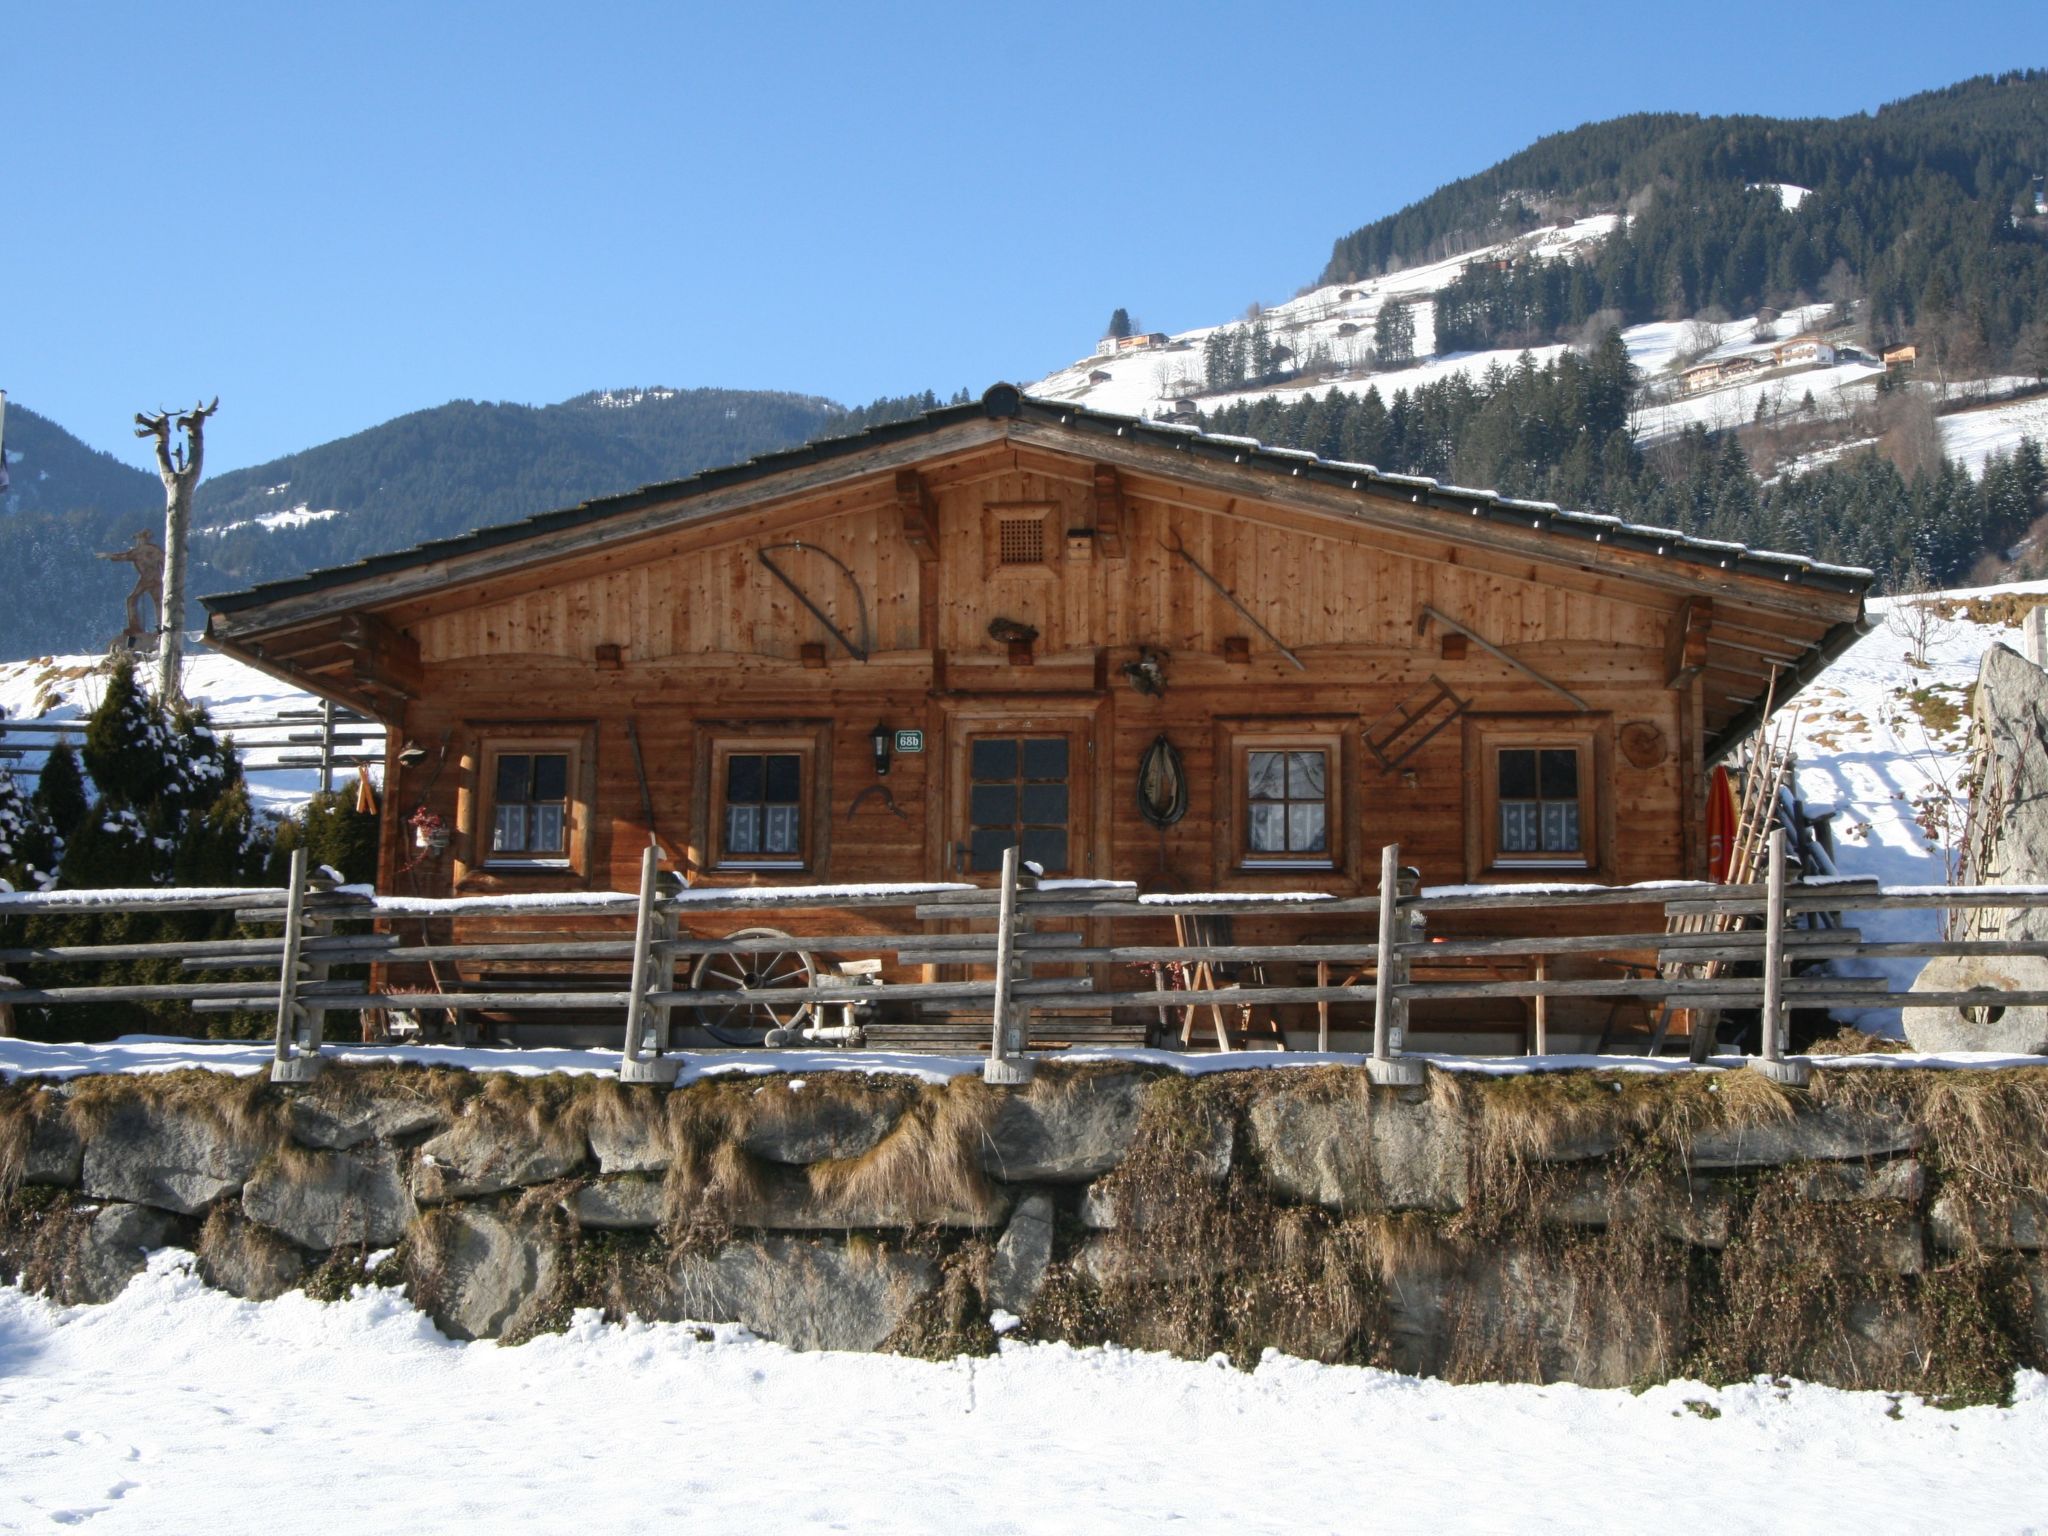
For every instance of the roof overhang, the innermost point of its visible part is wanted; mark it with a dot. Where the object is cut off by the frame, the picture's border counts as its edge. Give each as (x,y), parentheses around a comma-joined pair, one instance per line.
(1787,616)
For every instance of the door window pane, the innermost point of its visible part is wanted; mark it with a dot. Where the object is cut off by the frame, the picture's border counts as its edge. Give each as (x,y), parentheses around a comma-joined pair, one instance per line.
(1045,758)
(993,759)
(1017,794)
(992,805)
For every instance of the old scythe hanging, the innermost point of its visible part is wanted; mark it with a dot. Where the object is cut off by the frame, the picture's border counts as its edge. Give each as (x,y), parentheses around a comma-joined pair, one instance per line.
(857,652)
(1179,548)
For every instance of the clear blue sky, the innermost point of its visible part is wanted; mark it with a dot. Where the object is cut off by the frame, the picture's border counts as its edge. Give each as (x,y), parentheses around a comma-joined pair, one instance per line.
(330,215)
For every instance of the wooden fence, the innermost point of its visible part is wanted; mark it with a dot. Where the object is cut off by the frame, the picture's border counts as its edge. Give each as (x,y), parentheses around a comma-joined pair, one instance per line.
(1396,967)
(322,735)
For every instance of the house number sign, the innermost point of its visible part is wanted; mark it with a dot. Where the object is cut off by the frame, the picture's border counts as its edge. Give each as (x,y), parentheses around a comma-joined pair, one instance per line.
(910,741)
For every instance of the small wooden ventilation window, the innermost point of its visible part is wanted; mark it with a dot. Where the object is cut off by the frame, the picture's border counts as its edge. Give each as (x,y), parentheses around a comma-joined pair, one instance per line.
(1021,538)
(1020,541)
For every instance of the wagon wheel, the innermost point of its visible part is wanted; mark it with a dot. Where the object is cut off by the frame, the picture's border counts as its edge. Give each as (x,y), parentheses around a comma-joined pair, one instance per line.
(746,1023)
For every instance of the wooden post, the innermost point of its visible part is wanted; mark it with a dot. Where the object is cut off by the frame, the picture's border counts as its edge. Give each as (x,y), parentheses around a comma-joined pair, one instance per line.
(633,1067)
(326,746)
(1007,1062)
(1387,1065)
(667,929)
(1772,1062)
(1542,1010)
(289,1064)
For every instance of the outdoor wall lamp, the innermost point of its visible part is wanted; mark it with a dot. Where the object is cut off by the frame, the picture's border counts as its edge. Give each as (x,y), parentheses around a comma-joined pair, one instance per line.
(880,737)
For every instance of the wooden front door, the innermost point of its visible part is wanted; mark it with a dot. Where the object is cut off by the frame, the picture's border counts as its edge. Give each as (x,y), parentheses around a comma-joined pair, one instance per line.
(1022,782)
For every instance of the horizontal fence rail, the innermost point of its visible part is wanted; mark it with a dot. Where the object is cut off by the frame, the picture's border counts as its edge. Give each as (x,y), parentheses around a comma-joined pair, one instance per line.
(1027,929)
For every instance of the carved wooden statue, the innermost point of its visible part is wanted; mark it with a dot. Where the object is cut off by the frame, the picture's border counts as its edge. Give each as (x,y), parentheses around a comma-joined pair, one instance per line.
(147,556)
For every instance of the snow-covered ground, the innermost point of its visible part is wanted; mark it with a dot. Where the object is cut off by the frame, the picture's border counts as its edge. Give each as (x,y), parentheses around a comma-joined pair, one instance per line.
(178,1408)
(1884,742)
(1974,436)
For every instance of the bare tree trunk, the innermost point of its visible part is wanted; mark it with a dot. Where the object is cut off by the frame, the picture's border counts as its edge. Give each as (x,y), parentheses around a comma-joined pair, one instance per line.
(179,469)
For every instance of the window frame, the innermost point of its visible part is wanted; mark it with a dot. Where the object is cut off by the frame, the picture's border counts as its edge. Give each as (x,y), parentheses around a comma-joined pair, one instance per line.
(477,809)
(715,742)
(1340,821)
(1587,736)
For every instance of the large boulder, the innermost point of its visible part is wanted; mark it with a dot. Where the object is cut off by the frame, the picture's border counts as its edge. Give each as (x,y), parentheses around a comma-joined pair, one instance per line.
(1699,1212)
(1822,1132)
(480,1275)
(1987,1026)
(1023,1253)
(629,1134)
(243,1259)
(332,1199)
(1349,1146)
(622,1203)
(491,1148)
(175,1154)
(1963,1222)
(110,1250)
(806,1292)
(335,1125)
(795,1120)
(783,1199)
(1065,1128)
(55,1153)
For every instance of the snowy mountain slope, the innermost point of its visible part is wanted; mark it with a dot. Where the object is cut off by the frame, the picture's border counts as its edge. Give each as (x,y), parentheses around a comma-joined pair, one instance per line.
(1336,320)
(1975,435)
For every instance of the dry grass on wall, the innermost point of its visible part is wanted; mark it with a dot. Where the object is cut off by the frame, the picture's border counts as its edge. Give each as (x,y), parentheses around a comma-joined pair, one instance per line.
(1585,1246)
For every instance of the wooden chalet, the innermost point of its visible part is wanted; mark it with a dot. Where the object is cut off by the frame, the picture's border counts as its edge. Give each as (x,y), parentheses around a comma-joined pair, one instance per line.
(886,657)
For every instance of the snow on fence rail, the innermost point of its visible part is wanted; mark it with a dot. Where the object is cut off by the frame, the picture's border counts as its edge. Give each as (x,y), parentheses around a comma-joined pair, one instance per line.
(308,913)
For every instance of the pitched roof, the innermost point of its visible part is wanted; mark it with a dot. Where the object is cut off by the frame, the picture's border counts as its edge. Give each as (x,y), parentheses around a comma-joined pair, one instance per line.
(1006,401)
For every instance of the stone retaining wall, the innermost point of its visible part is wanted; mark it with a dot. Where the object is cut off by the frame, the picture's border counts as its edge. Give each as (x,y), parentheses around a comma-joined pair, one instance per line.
(1884,1229)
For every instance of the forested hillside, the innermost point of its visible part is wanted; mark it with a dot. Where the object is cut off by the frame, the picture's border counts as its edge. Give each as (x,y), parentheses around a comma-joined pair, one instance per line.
(421,476)
(1931,208)
(1560,432)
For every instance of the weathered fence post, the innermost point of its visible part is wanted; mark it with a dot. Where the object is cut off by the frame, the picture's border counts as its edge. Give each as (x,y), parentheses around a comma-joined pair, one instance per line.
(1773,1062)
(327,746)
(290,1064)
(1007,1062)
(633,1067)
(1386,1065)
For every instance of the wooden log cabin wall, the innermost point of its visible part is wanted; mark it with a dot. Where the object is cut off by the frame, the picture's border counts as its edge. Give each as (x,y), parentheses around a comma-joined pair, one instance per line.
(885,657)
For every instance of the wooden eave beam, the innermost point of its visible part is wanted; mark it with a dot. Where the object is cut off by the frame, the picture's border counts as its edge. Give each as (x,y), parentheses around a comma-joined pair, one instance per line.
(918,515)
(1376,506)
(384,659)
(1686,640)
(253,655)
(1109,512)
(447,581)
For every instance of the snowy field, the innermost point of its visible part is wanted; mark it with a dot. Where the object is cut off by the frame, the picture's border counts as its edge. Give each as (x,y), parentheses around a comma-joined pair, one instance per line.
(178,1408)
(1974,436)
